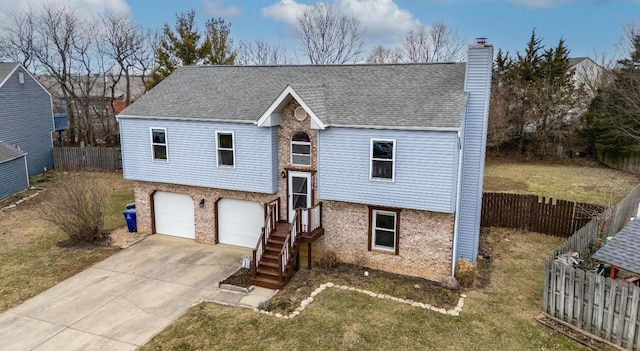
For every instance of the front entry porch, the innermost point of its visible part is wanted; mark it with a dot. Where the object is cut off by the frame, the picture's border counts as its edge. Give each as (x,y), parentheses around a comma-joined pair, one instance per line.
(277,253)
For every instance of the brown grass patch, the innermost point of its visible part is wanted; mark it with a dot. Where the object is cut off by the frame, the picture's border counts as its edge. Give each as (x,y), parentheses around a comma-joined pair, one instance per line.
(587,182)
(498,317)
(406,287)
(33,255)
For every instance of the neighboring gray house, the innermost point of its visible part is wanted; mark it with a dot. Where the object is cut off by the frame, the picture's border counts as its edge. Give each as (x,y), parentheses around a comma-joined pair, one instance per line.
(13,170)
(382,164)
(26,117)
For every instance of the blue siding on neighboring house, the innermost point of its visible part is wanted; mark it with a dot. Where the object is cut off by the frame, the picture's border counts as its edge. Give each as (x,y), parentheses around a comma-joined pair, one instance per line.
(13,177)
(478,85)
(192,155)
(26,120)
(425,170)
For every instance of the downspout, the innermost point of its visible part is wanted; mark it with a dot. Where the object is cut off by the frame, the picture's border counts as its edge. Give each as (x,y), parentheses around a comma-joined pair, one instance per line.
(454,249)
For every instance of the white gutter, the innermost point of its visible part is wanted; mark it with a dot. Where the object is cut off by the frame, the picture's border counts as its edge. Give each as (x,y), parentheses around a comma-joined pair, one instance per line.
(197,119)
(456,222)
(433,129)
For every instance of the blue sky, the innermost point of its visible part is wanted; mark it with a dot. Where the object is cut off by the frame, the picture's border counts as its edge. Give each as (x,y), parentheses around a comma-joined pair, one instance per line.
(588,26)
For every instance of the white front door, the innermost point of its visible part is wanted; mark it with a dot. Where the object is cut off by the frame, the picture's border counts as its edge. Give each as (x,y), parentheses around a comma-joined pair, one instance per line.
(299,193)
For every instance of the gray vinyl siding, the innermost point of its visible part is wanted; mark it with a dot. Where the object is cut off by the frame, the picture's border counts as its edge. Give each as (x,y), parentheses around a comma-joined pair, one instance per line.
(425,169)
(192,155)
(26,120)
(13,177)
(478,84)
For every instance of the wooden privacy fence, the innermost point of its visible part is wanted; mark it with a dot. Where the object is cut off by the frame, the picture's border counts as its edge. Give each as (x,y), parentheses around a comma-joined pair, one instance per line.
(603,307)
(606,309)
(90,158)
(526,212)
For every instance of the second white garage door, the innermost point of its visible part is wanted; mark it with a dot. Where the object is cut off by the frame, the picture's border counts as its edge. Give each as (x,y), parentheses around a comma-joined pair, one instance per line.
(174,214)
(239,222)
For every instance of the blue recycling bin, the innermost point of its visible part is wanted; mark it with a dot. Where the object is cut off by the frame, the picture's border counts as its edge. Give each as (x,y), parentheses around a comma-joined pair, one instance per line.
(130,217)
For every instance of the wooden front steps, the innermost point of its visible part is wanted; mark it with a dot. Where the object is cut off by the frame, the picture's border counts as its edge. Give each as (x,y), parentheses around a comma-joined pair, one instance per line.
(267,271)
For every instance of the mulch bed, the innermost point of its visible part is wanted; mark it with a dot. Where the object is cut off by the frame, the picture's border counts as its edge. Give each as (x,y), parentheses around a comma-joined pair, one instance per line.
(241,278)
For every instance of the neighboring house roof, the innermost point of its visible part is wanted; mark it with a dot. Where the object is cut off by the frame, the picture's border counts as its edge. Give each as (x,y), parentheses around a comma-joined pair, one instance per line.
(574,61)
(404,95)
(9,152)
(622,250)
(6,68)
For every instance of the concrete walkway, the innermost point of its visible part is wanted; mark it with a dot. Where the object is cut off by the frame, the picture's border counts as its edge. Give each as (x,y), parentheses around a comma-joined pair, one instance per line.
(125,300)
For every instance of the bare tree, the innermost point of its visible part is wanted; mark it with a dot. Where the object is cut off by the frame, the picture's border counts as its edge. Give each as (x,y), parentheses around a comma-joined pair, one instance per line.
(16,42)
(328,36)
(380,54)
(435,43)
(127,50)
(260,52)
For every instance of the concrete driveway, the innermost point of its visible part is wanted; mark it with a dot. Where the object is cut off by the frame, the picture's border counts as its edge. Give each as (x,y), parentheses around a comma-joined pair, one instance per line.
(123,301)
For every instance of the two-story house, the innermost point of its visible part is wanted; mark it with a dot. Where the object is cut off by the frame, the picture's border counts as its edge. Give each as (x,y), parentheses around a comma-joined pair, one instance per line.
(26,124)
(386,161)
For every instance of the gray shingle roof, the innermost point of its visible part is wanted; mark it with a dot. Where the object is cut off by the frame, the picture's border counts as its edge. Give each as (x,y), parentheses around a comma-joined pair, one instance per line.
(5,69)
(410,95)
(573,61)
(623,250)
(8,152)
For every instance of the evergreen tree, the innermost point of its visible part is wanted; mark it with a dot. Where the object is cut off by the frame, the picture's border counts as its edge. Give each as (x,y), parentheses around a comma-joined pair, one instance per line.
(612,122)
(532,97)
(186,46)
(218,44)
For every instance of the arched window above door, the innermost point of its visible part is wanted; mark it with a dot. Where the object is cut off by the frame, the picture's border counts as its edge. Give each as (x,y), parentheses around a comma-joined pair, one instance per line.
(300,149)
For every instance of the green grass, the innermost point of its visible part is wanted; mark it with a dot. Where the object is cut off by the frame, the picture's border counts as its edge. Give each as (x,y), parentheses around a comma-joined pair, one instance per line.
(113,217)
(591,184)
(498,317)
(31,255)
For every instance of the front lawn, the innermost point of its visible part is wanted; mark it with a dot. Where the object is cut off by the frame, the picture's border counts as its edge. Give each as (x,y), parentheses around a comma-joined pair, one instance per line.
(32,254)
(499,316)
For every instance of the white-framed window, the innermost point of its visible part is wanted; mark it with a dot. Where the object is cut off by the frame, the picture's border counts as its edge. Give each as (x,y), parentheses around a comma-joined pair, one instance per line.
(159,145)
(300,149)
(383,154)
(383,230)
(225,145)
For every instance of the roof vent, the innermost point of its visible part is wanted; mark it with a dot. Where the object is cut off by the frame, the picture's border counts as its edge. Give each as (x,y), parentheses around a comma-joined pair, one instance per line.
(300,114)
(481,40)
(21,77)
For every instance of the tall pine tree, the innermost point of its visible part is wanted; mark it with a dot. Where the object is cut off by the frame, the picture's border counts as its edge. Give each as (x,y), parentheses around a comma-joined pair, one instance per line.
(186,46)
(611,125)
(532,98)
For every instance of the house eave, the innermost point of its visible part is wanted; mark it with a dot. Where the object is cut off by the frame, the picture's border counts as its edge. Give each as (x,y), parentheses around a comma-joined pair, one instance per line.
(196,119)
(265,119)
(415,128)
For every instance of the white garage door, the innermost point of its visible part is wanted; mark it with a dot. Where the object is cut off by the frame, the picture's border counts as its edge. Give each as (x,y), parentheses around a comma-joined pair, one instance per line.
(239,222)
(174,214)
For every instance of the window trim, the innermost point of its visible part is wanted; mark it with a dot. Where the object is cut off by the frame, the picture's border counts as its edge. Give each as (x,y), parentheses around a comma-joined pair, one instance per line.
(218,148)
(393,160)
(371,241)
(165,144)
(292,142)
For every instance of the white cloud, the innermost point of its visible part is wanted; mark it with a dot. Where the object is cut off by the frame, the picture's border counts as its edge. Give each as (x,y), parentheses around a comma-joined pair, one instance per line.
(384,22)
(286,11)
(217,8)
